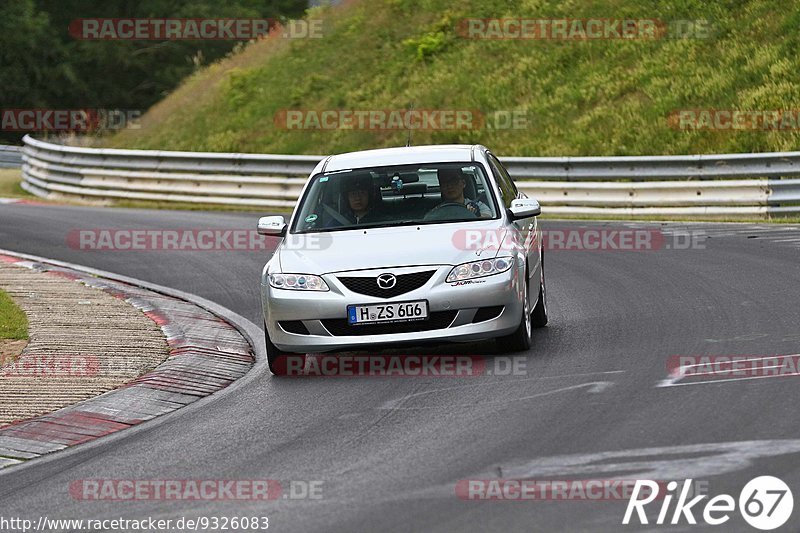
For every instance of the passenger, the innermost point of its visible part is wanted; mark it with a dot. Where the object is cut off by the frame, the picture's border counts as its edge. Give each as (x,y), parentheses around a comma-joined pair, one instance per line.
(361,202)
(451,184)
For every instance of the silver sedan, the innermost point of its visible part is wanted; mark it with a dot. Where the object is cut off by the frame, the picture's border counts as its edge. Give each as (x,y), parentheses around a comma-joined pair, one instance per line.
(416,245)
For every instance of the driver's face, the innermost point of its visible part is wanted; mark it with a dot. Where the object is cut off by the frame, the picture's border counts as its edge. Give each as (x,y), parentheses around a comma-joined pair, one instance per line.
(452,189)
(359,200)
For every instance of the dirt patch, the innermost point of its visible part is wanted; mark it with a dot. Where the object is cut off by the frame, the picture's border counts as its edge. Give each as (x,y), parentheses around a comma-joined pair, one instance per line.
(10,350)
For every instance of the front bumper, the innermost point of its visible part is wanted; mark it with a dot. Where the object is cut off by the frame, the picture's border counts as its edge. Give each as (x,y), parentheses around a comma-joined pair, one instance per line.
(453,311)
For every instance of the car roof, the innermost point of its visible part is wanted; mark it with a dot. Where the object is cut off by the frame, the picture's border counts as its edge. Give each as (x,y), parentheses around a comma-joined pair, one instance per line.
(399,156)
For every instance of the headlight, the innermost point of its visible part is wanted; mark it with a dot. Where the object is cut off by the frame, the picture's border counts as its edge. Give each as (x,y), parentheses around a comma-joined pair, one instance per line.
(298,282)
(478,269)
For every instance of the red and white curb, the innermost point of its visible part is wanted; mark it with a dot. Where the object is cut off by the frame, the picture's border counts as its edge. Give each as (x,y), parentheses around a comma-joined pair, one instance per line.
(207,354)
(20,201)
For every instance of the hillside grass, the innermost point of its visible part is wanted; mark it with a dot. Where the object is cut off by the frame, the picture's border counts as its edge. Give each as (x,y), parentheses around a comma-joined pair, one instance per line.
(596,97)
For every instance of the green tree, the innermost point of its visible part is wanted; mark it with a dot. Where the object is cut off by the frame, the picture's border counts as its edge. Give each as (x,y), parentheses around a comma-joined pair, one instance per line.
(43,66)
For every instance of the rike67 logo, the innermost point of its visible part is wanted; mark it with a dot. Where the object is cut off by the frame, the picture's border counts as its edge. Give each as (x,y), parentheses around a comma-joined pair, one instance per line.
(765,503)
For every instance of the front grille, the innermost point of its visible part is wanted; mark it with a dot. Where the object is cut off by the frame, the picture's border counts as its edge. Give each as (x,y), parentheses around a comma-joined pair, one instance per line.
(487,313)
(405,283)
(339,327)
(294,326)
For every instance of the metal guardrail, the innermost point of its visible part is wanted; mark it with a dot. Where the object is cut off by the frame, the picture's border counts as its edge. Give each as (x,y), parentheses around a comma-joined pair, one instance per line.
(641,168)
(702,185)
(10,156)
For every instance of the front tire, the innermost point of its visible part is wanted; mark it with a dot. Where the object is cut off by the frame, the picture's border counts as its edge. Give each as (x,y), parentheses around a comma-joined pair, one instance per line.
(539,317)
(520,340)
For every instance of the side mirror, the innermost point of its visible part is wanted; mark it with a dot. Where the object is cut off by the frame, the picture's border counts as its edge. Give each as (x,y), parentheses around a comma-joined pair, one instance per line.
(274,226)
(525,208)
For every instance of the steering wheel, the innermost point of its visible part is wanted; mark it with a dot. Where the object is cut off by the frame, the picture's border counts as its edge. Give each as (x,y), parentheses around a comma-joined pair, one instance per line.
(449,210)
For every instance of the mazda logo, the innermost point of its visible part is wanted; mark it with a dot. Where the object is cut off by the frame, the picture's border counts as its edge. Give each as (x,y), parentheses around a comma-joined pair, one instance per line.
(386,281)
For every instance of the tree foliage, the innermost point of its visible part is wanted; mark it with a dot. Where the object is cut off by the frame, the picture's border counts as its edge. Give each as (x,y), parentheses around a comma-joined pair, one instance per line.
(43,66)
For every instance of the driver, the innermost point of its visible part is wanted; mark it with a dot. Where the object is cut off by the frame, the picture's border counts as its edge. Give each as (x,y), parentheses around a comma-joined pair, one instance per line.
(451,184)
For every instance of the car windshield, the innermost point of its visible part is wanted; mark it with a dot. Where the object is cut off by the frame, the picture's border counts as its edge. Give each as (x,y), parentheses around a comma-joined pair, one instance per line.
(397,195)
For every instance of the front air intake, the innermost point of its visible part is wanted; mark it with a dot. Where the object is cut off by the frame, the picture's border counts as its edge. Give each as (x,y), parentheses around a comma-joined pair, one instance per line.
(405,283)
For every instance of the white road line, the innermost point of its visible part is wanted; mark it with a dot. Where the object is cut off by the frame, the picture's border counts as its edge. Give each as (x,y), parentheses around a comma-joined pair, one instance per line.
(763,358)
(730,370)
(671,383)
(391,405)
(680,373)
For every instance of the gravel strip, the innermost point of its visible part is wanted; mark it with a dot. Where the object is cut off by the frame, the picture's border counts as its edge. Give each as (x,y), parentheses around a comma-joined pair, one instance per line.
(82,342)
(206,354)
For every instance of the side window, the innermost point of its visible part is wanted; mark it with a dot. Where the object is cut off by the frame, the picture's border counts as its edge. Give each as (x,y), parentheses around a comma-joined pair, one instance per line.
(507,188)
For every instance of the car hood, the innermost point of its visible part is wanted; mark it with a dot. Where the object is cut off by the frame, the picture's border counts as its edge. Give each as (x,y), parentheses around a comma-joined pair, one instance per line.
(433,244)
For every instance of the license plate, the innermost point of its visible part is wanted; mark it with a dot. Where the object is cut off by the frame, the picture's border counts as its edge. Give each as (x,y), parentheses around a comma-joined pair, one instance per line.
(388,312)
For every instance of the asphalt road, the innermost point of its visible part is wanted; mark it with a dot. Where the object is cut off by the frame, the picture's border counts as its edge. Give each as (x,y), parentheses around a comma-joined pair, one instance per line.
(390,451)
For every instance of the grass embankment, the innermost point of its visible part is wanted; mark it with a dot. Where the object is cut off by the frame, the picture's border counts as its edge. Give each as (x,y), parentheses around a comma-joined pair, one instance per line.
(13,323)
(10,179)
(596,97)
